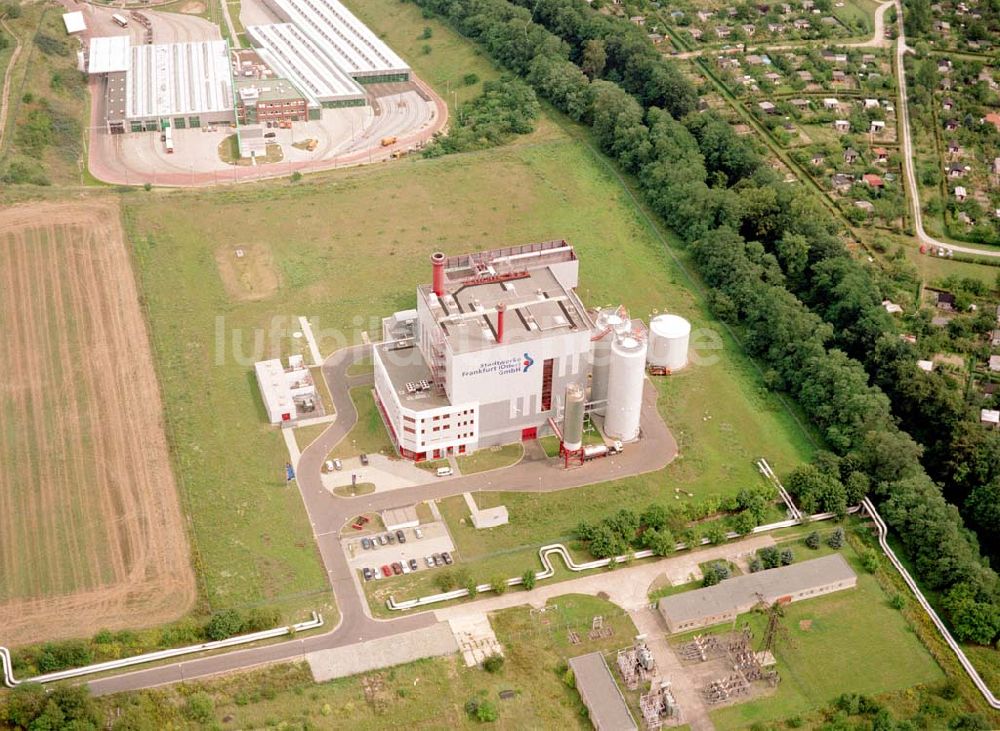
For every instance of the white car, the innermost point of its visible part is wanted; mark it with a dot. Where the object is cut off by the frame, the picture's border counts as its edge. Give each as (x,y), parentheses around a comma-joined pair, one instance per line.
(417,533)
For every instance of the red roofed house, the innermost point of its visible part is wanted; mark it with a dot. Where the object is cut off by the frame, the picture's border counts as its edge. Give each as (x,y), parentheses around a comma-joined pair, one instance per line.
(993,118)
(872,181)
(881,154)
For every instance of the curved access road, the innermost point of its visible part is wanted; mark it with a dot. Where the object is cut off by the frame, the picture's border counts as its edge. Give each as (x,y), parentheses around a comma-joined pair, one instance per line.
(328,514)
(906,141)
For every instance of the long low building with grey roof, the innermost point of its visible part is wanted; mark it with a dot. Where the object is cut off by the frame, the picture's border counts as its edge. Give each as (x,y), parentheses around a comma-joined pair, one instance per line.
(604,700)
(723,602)
(292,55)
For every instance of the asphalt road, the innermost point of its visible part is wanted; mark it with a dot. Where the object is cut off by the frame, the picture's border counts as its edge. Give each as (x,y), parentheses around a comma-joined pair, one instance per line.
(328,514)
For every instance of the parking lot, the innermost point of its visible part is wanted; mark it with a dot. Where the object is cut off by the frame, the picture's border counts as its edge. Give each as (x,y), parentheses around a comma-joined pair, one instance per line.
(435,540)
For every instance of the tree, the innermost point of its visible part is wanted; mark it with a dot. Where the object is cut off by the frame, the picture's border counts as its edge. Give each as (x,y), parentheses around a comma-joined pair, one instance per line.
(493,663)
(744,523)
(715,573)
(770,557)
(224,624)
(715,533)
(660,542)
(199,707)
(528,579)
(471,586)
(755,565)
(487,712)
(972,620)
(605,543)
(593,58)
(787,557)
(499,585)
(655,516)
(812,540)
(445,580)
(836,539)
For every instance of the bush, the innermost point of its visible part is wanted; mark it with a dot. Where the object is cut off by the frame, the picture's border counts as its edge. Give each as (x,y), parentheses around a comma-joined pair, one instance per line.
(427,33)
(445,580)
(769,557)
(470,79)
(62,655)
(487,712)
(869,559)
(787,557)
(499,585)
(223,625)
(199,707)
(569,678)
(716,573)
(812,540)
(897,601)
(528,579)
(755,565)
(494,663)
(715,533)
(147,187)
(471,586)
(836,539)
(296,176)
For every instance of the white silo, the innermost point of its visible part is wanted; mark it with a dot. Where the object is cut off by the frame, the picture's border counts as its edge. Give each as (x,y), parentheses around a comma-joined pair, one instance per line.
(609,323)
(625,379)
(573,418)
(669,337)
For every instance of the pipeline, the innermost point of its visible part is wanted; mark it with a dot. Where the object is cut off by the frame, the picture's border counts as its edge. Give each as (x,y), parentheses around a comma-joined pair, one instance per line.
(11,682)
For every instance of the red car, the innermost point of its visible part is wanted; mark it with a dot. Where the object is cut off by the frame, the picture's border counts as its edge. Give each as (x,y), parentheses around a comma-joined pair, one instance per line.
(397,568)
(386,571)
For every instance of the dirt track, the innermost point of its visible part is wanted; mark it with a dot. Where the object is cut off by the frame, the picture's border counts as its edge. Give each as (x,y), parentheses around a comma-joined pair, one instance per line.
(91,530)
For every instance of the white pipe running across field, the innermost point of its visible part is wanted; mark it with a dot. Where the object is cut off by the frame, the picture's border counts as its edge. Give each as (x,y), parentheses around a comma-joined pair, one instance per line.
(766,470)
(969,668)
(11,682)
(560,550)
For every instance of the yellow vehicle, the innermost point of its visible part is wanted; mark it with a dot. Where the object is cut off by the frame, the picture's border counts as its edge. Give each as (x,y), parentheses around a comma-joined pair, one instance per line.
(386,141)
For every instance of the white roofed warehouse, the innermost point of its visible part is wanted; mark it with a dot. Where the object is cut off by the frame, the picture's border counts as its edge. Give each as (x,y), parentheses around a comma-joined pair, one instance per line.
(344,39)
(149,87)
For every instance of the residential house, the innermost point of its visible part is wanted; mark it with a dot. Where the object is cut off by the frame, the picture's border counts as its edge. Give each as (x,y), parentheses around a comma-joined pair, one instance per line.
(925,365)
(723,31)
(842,181)
(948,105)
(773,77)
(955,170)
(830,103)
(871,103)
(881,154)
(842,125)
(804,104)
(806,76)
(954,148)
(960,194)
(944,66)
(877,126)
(802,24)
(749,29)
(945,301)
(838,77)
(990,418)
(994,363)
(817,160)
(768,108)
(951,125)
(994,119)
(872,181)
(867,207)
(850,156)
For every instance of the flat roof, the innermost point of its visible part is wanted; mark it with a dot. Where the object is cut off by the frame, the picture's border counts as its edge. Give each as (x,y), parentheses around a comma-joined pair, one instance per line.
(74,22)
(267,90)
(108,54)
(600,693)
(406,365)
(274,388)
(342,37)
(180,78)
(740,593)
(287,50)
(538,305)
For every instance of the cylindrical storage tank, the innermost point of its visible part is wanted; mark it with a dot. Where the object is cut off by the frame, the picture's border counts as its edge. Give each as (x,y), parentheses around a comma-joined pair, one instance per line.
(573,418)
(625,378)
(613,322)
(669,337)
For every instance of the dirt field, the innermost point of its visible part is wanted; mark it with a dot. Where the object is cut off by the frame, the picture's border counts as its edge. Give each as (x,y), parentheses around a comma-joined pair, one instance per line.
(91,531)
(251,276)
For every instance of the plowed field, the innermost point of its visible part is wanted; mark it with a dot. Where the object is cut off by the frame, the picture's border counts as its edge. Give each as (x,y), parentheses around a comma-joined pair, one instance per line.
(91,530)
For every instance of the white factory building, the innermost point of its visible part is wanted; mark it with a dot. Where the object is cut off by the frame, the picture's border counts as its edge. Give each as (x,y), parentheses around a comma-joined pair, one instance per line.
(288,392)
(488,354)
(148,87)
(293,56)
(344,39)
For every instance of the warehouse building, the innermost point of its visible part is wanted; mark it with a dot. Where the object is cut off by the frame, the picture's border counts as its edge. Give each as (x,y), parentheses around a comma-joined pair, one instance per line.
(487,356)
(288,392)
(292,55)
(600,694)
(344,39)
(149,87)
(699,608)
(267,101)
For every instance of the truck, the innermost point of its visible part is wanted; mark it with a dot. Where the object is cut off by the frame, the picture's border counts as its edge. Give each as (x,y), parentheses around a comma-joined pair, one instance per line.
(120,20)
(386,141)
(595,451)
(655,370)
(168,140)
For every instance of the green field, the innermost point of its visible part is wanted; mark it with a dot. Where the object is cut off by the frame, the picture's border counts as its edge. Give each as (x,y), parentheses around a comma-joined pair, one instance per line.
(421,695)
(490,459)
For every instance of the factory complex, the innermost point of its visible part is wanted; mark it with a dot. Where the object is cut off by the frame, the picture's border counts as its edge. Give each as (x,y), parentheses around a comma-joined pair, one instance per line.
(500,349)
(319,57)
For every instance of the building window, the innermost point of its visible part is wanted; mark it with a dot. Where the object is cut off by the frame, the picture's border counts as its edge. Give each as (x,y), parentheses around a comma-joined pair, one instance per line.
(547,369)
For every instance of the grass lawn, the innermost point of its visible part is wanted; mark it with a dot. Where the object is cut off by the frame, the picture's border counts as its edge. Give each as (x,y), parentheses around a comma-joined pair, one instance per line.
(856,643)
(421,695)
(368,435)
(490,459)
(362,488)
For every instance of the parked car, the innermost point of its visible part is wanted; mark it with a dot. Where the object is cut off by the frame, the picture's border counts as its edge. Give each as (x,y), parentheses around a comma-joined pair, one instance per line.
(405,566)
(397,568)
(269,135)
(429,560)
(390,537)
(444,472)
(367,573)
(366,543)
(328,466)
(364,460)
(383,540)
(447,558)
(338,465)
(386,571)
(438,561)
(418,533)
(413,564)
(400,536)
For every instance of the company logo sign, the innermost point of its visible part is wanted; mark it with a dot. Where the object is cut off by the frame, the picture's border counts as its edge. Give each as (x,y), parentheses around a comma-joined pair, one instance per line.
(502,366)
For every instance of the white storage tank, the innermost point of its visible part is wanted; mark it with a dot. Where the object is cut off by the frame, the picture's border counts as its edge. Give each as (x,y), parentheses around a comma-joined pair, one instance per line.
(609,323)
(573,418)
(669,337)
(625,380)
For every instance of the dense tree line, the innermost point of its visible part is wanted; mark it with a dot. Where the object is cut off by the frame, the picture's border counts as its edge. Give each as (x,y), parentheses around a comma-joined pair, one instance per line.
(766,250)
(507,107)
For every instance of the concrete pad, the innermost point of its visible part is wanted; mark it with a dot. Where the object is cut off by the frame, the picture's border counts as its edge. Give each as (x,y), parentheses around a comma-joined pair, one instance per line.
(383,472)
(435,641)
(475,637)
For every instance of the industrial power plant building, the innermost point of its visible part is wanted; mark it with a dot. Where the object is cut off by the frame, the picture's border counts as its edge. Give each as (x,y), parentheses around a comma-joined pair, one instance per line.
(500,349)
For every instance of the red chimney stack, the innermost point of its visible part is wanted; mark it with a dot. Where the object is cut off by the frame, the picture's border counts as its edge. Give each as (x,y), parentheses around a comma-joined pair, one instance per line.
(501,311)
(437,260)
